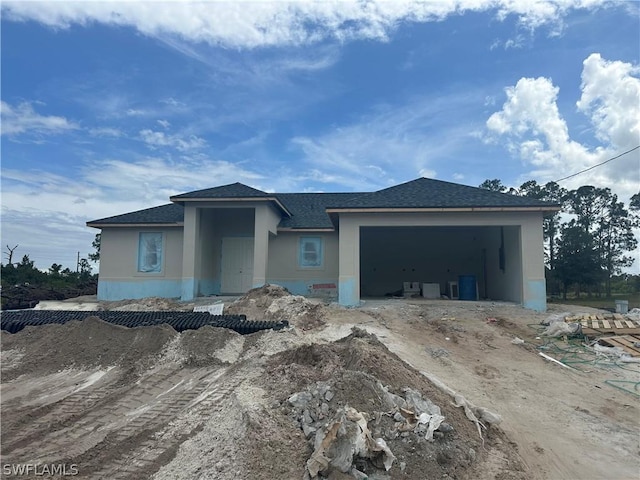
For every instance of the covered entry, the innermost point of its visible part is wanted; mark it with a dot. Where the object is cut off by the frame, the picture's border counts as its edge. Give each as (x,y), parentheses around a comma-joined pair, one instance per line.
(390,256)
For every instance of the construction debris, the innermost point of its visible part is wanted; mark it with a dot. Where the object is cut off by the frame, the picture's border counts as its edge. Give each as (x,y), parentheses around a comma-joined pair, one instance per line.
(627,343)
(321,400)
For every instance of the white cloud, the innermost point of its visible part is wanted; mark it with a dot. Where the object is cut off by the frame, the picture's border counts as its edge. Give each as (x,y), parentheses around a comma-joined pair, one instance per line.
(35,201)
(134,112)
(238,24)
(611,96)
(106,132)
(535,130)
(23,119)
(391,142)
(164,123)
(160,139)
(173,102)
(427,173)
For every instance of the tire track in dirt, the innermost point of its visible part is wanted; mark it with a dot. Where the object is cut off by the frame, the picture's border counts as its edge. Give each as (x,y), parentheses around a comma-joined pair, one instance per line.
(156,434)
(128,430)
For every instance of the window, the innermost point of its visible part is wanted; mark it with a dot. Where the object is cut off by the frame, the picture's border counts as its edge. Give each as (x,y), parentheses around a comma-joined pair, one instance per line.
(150,252)
(310,253)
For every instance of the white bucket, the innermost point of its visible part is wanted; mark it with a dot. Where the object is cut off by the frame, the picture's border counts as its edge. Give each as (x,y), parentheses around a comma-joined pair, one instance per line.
(622,306)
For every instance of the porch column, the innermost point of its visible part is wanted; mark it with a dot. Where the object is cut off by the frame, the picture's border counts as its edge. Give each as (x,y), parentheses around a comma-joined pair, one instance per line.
(260,245)
(534,288)
(190,253)
(349,262)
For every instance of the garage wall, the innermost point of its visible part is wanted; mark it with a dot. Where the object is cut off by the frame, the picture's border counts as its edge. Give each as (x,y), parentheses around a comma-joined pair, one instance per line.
(119,277)
(391,256)
(530,290)
(283,266)
(504,284)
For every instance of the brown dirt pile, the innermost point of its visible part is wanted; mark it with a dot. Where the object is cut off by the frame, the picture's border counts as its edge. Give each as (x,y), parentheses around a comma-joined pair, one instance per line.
(83,344)
(273,302)
(149,304)
(360,372)
(213,404)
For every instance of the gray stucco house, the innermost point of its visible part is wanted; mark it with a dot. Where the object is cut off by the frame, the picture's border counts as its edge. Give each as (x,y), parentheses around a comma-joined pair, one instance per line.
(231,238)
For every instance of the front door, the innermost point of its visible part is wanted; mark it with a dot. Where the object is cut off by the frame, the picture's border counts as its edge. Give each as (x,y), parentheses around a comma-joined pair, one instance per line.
(236,265)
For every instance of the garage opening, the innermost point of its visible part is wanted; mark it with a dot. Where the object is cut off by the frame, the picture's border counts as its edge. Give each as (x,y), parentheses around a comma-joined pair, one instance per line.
(390,256)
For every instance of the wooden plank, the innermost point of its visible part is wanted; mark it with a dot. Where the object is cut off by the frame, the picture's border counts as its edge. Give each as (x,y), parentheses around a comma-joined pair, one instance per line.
(618,316)
(630,324)
(616,331)
(629,346)
(605,323)
(617,323)
(623,343)
(594,324)
(599,317)
(584,323)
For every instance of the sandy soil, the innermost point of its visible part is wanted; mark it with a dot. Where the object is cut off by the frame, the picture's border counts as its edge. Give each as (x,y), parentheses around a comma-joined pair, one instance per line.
(151,403)
(566,424)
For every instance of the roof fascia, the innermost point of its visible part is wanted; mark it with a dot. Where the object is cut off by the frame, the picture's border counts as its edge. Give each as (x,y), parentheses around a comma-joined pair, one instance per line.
(291,229)
(234,199)
(443,209)
(111,225)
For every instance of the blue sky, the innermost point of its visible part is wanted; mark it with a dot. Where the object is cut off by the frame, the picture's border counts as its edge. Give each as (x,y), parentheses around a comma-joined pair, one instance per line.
(113,107)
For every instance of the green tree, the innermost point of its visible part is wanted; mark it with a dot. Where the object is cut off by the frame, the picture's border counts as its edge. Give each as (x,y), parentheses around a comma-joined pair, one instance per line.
(494,185)
(577,262)
(26,272)
(634,209)
(614,237)
(553,193)
(588,203)
(84,269)
(94,257)
(54,269)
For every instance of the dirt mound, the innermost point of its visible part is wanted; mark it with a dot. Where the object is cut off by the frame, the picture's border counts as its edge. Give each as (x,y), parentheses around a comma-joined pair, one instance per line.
(88,343)
(149,304)
(273,302)
(261,296)
(17,297)
(210,345)
(315,384)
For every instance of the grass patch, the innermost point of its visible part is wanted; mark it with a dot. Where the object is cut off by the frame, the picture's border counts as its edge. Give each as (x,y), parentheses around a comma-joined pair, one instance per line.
(608,303)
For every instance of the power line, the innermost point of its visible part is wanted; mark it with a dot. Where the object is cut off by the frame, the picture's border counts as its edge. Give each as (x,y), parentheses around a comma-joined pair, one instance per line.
(599,164)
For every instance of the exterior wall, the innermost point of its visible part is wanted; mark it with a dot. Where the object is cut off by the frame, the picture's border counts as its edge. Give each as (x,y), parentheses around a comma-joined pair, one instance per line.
(532,291)
(266,224)
(283,268)
(534,283)
(119,277)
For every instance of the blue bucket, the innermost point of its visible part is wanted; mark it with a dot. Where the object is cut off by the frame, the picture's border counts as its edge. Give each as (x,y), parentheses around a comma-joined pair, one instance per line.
(467,289)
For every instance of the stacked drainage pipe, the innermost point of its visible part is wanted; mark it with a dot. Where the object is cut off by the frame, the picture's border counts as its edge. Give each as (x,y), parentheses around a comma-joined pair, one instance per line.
(15,320)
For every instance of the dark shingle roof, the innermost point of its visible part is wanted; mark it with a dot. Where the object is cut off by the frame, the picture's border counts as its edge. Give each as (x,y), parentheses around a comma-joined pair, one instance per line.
(308,210)
(233,190)
(429,193)
(171,213)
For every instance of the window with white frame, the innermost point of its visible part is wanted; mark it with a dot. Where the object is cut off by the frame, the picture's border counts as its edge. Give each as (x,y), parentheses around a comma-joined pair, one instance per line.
(150,252)
(310,253)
